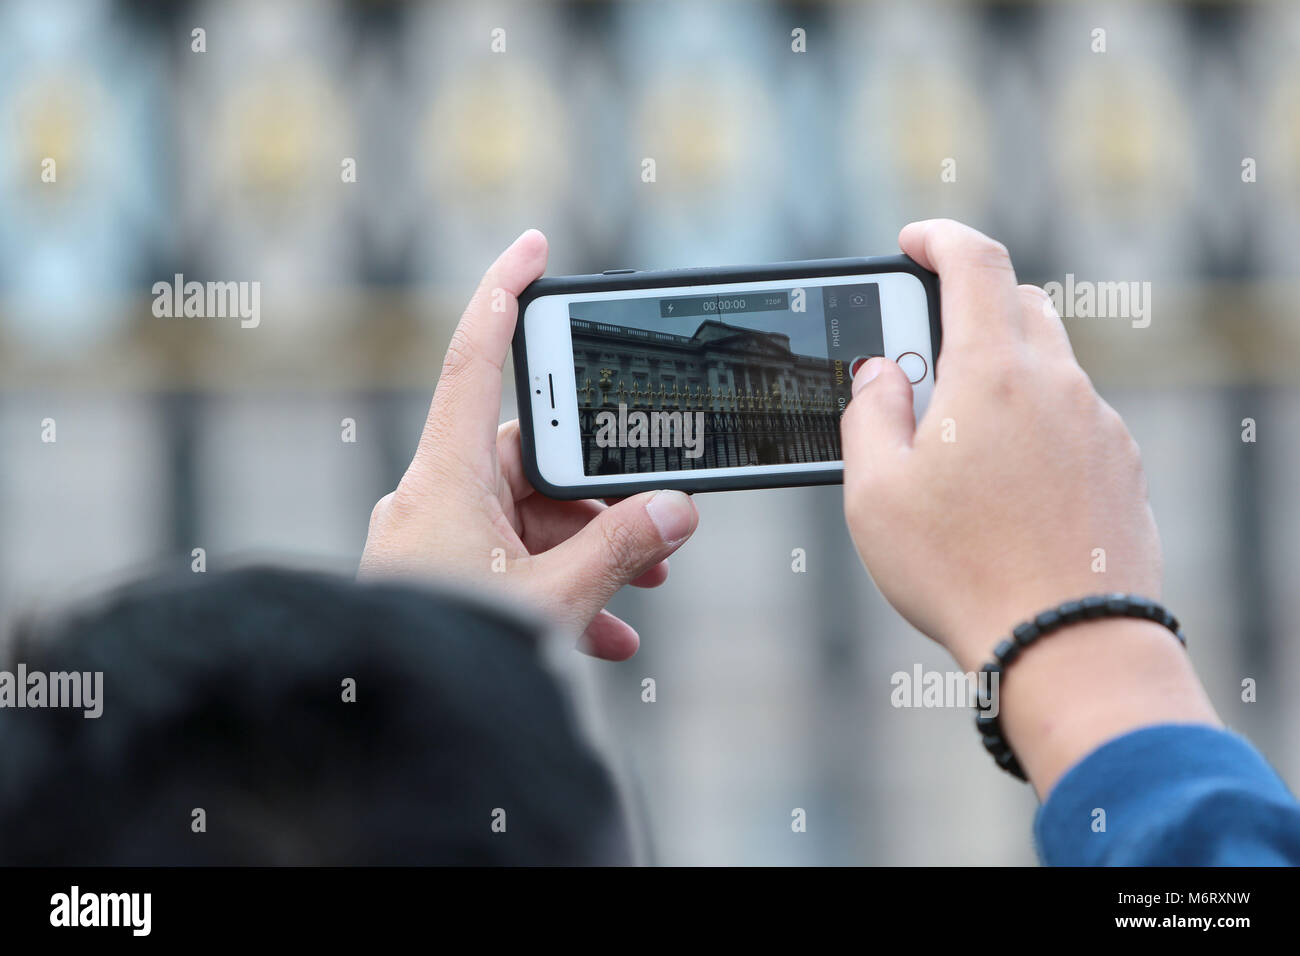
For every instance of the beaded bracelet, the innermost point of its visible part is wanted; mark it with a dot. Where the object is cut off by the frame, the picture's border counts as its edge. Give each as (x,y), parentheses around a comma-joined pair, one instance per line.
(1023,635)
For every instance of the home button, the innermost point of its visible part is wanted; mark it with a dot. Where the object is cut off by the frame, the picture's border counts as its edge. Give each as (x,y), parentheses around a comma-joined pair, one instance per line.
(913,365)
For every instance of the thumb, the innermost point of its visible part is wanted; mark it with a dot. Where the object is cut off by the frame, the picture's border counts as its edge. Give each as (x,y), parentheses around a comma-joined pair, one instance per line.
(879,419)
(617,546)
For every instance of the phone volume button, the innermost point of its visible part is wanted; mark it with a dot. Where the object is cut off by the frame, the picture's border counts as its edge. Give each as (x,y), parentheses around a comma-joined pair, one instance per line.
(618,272)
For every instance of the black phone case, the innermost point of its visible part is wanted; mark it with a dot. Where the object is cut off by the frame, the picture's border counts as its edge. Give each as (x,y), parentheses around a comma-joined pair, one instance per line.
(628,279)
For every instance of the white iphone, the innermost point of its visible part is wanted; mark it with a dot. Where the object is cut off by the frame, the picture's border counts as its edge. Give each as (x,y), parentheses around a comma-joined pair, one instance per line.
(710,379)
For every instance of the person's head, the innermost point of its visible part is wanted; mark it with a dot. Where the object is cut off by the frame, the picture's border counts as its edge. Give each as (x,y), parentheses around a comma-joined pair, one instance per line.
(311,720)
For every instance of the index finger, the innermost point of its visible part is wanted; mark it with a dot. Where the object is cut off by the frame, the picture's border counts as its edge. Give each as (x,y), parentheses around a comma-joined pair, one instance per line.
(980,302)
(467,400)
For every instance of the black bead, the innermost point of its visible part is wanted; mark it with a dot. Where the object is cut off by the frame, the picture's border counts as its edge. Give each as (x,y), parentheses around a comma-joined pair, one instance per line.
(1048,621)
(1025,634)
(1008,760)
(1093,606)
(995,745)
(1117,603)
(1006,652)
(1071,611)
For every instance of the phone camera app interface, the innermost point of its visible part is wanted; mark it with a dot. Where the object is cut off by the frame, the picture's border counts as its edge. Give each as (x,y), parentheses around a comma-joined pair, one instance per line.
(719,380)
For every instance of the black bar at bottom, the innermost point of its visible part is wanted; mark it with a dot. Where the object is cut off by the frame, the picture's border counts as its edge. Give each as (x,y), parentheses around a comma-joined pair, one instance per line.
(1030,906)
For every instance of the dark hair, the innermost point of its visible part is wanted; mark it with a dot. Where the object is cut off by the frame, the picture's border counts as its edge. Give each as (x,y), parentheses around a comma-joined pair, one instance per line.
(225,692)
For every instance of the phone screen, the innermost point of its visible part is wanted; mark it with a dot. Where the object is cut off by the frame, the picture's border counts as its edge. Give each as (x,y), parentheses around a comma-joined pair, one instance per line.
(719,380)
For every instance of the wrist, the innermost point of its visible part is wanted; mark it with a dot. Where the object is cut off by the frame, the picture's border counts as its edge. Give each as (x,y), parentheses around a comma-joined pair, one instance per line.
(987,626)
(1091,682)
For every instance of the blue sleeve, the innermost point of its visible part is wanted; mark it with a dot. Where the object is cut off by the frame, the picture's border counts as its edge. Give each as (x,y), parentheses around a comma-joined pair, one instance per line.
(1172,795)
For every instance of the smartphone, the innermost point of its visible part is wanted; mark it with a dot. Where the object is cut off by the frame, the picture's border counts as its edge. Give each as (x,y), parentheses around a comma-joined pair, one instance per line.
(710,379)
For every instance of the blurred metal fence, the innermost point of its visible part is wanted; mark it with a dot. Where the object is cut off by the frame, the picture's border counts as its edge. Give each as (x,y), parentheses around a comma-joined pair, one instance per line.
(1171,156)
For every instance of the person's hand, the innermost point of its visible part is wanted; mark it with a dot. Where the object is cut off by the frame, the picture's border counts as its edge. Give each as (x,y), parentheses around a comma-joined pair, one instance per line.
(1019,489)
(465,510)
(1018,485)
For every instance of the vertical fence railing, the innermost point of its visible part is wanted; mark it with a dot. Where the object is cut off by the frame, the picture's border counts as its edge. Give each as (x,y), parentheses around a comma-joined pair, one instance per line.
(739,428)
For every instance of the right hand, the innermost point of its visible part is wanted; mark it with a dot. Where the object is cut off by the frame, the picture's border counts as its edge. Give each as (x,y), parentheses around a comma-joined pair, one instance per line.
(993,508)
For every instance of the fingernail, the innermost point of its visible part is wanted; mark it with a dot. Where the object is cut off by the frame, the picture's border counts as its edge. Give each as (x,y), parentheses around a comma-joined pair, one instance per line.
(672,513)
(867,373)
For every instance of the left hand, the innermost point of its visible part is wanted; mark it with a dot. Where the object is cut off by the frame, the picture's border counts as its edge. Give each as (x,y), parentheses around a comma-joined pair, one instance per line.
(464,509)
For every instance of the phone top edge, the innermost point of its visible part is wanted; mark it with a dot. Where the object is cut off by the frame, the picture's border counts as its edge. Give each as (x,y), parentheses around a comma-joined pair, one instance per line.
(719,275)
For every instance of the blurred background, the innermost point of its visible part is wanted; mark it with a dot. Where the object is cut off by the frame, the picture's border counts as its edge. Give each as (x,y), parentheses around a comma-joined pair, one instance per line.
(1173,157)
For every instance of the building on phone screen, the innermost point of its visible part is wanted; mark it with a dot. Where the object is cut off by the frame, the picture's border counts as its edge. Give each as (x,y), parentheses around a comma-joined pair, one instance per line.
(763,403)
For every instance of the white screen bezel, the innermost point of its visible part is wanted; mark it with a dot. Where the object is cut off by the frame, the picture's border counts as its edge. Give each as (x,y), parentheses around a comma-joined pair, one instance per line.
(905,323)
